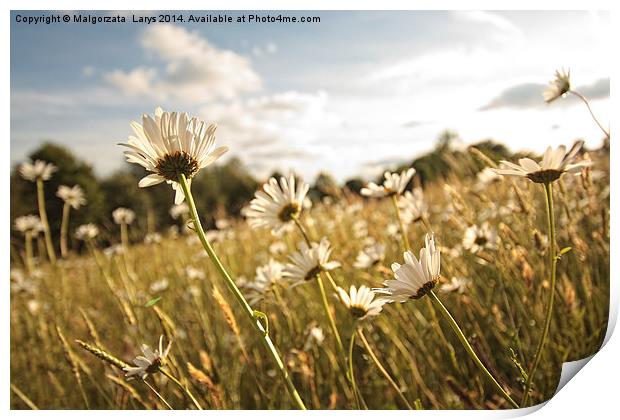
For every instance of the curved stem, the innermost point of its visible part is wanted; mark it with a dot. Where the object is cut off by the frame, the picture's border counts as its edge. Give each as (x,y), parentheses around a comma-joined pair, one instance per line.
(302,230)
(180,385)
(585,101)
(552,266)
(64,230)
(459,333)
(383,371)
(158,394)
(49,245)
(247,309)
(403,229)
(359,398)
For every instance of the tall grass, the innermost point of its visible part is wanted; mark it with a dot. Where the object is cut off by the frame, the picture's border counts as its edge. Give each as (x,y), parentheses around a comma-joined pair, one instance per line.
(109,301)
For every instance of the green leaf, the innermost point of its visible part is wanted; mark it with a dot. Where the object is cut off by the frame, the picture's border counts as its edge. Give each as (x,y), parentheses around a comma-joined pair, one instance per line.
(563,251)
(152,302)
(262,316)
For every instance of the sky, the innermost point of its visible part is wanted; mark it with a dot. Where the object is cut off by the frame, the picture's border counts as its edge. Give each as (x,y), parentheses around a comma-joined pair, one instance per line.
(351,95)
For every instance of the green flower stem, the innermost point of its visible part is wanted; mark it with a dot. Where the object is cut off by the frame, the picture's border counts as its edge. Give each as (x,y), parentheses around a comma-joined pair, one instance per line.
(359,398)
(328,312)
(552,266)
(181,386)
(29,257)
(124,236)
(403,229)
(158,395)
(459,333)
(332,322)
(247,309)
(383,371)
(64,229)
(49,245)
(585,101)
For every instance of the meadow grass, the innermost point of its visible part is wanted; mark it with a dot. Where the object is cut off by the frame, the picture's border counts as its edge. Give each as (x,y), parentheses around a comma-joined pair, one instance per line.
(102,301)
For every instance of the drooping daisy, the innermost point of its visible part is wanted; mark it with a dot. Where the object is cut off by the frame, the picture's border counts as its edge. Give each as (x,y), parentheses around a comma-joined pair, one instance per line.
(307,263)
(28,224)
(123,216)
(73,196)
(412,205)
(277,204)
(86,232)
(171,144)
(559,86)
(414,278)
(370,256)
(150,362)
(553,164)
(37,170)
(478,238)
(361,302)
(393,183)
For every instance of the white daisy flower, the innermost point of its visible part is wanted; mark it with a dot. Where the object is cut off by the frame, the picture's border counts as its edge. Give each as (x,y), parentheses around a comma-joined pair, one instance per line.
(553,164)
(28,224)
(309,262)
(73,196)
(152,238)
(457,284)
(179,210)
(194,273)
(277,204)
(560,86)
(277,248)
(266,276)
(414,278)
(361,302)
(412,205)
(86,232)
(370,256)
(394,183)
(479,238)
(123,216)
(316,336)
(171,145)
(37,170)
(150,362)
(159,285)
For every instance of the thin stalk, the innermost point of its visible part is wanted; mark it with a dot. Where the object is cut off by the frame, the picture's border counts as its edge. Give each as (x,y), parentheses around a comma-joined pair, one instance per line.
(64,229)
(302,230)
(49,245)
(158,394)
(403,229)
(585,101)
(383,371)
(181,386)
(459,333)
(29,257)
(328,312)
(359,398)
(124,236)
(552,266)
(247,309)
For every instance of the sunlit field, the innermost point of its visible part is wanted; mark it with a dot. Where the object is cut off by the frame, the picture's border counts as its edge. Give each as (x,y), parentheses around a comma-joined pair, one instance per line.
(78,323)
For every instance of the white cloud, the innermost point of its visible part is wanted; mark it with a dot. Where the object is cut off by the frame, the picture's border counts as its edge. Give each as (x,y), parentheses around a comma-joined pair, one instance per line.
(277,129)
(195,70)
